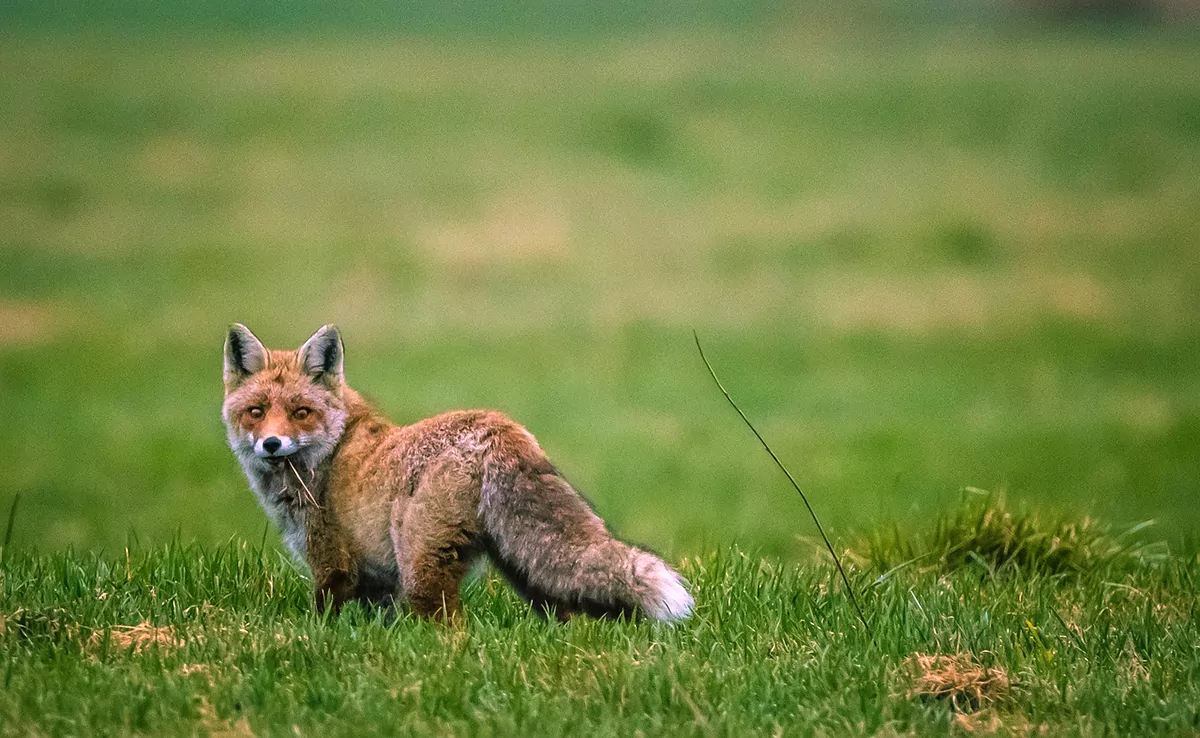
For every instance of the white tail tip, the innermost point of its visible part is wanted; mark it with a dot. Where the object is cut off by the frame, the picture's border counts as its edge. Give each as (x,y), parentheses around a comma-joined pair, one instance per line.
(668,599)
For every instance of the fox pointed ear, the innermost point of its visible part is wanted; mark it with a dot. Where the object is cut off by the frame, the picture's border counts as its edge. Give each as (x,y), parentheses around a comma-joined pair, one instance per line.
(321,356)
(244,355)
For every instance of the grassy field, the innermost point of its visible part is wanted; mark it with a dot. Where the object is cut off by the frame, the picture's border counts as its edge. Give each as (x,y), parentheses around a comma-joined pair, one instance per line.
(920,263)
(1091,637)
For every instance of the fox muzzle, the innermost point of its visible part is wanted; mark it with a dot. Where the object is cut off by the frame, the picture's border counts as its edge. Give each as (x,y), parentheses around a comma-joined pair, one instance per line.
(274,447)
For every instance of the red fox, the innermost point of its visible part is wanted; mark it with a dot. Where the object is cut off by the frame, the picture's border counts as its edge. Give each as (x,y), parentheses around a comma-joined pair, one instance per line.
(381,512)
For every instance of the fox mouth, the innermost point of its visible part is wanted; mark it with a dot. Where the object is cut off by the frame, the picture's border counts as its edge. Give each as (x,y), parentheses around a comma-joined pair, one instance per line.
(278,461)
(277,456)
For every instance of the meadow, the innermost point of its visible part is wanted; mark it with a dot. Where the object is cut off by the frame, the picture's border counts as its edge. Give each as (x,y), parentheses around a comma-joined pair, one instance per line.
(920,262)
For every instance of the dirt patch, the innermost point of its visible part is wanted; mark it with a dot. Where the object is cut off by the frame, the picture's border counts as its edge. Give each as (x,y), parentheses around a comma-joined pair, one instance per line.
(212,724)
(174,160)
(1145,411)
(921,305)
(958,679)
(26,323)
(512,229)
(1131,668)
(203,669)
(138,637)
(984,721)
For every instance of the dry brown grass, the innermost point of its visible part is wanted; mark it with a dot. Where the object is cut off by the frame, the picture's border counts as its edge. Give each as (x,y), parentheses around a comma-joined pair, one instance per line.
(516,229)
(26,322)
(958,679)
(139,637)
(956,300)
(202,669)
(214,725)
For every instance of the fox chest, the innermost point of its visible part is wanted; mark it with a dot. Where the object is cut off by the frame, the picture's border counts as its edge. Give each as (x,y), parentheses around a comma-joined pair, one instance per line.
(358,520)
(285,507)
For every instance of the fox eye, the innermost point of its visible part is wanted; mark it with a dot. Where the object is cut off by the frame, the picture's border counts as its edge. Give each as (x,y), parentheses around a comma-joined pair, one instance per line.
(255,412)
(301,413)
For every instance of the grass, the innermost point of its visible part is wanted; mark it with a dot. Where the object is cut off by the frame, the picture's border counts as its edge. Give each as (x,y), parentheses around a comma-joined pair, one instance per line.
(919,263)
(919,260)
(189,638)
(984,531)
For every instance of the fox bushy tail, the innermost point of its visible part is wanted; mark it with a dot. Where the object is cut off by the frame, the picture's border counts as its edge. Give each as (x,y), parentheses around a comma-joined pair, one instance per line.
(558,553)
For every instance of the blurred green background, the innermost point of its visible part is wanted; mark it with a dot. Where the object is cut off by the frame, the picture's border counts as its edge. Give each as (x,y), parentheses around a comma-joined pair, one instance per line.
(927,245)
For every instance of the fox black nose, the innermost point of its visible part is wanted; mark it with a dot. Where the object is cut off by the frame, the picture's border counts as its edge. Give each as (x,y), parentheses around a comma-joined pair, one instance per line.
(272,444)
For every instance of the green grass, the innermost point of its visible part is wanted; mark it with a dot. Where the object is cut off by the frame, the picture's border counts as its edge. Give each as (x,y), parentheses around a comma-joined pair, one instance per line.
(984,531)
(229,642)
(920,262)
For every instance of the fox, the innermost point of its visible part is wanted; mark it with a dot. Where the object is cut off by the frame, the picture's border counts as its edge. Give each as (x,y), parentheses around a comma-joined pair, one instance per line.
(385,514)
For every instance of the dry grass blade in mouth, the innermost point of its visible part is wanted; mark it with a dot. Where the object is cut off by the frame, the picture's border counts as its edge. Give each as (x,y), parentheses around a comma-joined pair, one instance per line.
(959,678)
(307,492)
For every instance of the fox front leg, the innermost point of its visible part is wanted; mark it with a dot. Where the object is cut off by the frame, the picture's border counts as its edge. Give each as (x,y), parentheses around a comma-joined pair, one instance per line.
(335,574)
(334,588)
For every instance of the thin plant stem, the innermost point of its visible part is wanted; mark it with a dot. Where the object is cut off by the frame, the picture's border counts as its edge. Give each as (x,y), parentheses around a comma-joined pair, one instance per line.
(8,530)
(837,562)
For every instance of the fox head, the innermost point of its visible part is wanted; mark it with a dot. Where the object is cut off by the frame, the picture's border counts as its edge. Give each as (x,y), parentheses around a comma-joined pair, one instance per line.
(283,405)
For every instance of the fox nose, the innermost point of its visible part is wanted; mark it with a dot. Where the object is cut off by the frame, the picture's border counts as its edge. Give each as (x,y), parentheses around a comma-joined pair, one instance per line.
(272,444)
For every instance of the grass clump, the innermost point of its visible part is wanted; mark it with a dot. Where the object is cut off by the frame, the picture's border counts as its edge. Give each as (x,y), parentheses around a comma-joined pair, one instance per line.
(958,679)
(982,530)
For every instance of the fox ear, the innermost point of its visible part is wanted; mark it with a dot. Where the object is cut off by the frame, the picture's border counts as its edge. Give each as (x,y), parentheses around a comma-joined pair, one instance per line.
(244,355)
(321,356)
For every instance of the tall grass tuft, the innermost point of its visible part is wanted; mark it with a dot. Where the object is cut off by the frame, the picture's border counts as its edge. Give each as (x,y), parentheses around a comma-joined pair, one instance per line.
(981,530)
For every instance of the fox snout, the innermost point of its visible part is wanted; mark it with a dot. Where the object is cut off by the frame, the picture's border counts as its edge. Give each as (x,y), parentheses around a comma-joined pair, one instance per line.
(275,447)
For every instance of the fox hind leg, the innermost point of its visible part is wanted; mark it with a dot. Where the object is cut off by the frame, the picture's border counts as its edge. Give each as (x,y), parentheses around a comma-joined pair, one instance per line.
(436,540)
(542,602)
